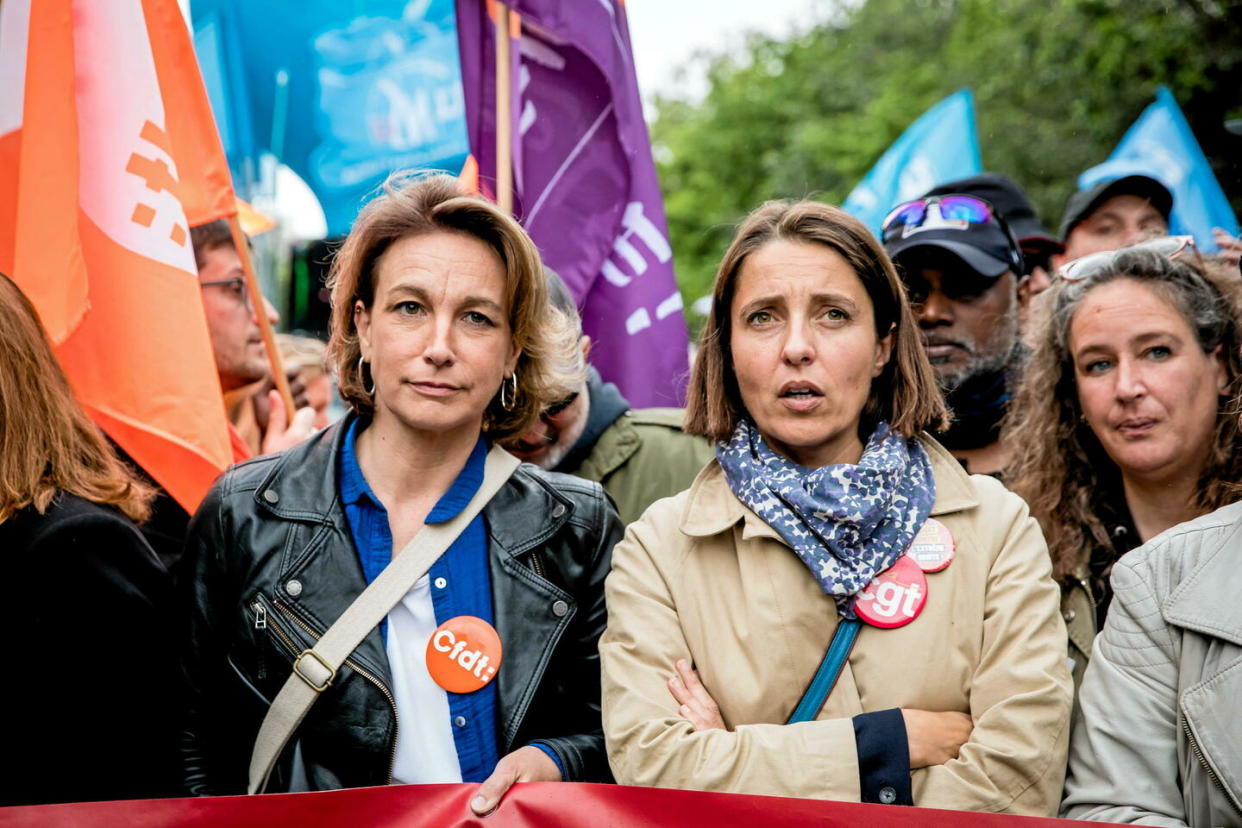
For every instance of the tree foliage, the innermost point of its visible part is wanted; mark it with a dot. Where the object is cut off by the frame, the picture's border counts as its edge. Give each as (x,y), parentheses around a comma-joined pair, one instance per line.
(1056,84)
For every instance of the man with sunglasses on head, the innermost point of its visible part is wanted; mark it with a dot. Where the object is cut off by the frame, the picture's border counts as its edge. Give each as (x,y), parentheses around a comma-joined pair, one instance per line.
(637,455)
(963,267)
(1114,214)
(1039,246)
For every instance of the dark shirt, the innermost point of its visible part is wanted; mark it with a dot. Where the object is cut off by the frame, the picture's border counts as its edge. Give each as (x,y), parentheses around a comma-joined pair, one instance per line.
(1114,513)
(90,701)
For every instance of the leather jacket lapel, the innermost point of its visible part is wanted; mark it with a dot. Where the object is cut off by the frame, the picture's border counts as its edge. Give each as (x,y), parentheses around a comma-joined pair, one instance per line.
(531,612)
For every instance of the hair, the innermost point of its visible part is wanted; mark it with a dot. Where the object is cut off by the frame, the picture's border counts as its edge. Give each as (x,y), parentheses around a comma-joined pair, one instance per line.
(905,394)
(413,205)
(1059,465)
(214,235)
(306,353)
(47,443)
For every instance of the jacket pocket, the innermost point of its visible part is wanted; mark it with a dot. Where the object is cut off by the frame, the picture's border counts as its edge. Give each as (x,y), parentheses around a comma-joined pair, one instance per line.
(277,643)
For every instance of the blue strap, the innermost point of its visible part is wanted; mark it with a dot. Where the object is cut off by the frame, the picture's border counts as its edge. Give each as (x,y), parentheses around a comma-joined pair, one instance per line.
(828,673)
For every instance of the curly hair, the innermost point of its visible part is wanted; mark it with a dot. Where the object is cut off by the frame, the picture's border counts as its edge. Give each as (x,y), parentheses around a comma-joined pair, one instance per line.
(414,204)
(905,395)
(1059,465)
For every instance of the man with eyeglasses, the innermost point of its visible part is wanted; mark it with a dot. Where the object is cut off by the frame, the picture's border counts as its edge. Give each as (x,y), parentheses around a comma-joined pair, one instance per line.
(963,266)
(237,343)
(637,455)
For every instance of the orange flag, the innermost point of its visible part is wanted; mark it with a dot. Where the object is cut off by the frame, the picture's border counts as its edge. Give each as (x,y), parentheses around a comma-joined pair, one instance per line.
(108,154)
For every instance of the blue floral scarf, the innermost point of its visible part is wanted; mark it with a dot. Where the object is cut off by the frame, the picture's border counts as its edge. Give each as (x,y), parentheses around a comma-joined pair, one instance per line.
(847,523)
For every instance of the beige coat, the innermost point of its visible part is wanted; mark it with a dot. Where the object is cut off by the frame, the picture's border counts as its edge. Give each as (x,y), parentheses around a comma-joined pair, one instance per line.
(700,576)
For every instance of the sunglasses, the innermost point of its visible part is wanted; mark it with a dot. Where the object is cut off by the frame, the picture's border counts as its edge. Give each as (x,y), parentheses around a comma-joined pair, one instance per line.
(559,406)
(1171,247)
(954,211)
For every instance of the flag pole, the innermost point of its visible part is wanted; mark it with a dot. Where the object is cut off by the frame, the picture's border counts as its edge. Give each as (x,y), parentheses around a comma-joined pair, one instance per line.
(260,313)
(504,120)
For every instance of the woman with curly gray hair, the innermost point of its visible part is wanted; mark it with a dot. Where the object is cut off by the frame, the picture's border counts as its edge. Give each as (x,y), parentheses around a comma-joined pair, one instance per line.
(1123,425)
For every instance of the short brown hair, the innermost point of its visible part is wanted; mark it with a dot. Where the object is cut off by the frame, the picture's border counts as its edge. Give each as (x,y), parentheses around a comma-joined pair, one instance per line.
(213,235)
(47,443)
(412,205)
(905,395)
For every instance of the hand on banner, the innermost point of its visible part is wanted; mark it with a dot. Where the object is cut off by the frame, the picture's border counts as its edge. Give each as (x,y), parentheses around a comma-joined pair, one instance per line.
(935,738)
(696,705)
(1230,246)
(526,764)
(280,433)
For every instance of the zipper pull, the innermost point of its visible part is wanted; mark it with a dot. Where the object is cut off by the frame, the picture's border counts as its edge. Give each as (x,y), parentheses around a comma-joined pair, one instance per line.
(260,616)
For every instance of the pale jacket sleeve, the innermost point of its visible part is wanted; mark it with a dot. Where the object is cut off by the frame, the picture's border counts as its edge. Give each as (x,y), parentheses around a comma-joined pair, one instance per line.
(1123,758)
(1021,692)
(648,743)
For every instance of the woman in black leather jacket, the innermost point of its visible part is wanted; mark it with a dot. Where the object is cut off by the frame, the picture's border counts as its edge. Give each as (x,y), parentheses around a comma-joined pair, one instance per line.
(440,337)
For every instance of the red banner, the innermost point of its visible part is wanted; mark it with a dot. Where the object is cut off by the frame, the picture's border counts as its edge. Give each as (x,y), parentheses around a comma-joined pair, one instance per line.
(545,804)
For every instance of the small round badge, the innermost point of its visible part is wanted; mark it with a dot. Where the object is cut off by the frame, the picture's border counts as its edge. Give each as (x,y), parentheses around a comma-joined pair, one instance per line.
(463,654)
(933,547)
(895,597)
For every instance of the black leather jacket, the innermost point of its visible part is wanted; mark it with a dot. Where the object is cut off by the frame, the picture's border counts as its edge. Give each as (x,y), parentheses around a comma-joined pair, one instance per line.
(270,565)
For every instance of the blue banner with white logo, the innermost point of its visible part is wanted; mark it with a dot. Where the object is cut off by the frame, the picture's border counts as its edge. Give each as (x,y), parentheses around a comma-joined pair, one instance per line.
(942,145)
(1160,144)
(342,93)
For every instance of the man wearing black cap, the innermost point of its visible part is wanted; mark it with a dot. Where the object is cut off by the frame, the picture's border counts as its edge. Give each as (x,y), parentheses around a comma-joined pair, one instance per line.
(1115,214)
(1038,245)
(962,266)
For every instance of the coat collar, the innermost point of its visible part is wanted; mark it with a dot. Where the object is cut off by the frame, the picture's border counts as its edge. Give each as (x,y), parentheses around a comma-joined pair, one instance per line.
(302,486)
(1204,601)
(712,507)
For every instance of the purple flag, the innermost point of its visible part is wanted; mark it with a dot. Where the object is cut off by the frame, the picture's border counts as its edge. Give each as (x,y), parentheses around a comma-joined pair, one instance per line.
(585,186)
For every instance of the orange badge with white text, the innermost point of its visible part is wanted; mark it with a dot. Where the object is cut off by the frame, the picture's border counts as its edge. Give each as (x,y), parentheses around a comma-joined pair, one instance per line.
(463,654)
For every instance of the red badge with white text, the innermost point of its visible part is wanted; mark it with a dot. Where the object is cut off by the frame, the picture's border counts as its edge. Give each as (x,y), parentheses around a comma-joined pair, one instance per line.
(895,597)
(463,654)
(933,547)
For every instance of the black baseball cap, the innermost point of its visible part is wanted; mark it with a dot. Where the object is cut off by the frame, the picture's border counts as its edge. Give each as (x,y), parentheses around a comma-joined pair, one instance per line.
(987,247)
(1011,202)
(1085,202)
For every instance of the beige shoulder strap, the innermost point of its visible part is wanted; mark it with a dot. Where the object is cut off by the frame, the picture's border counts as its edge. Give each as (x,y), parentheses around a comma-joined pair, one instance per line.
(315,669)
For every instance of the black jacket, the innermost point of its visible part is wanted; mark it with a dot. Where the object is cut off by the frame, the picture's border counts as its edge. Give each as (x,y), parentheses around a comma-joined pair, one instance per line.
(89,701)
(276,520)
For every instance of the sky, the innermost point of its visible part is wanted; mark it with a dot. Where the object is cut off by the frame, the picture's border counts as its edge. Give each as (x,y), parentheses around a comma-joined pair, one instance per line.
(666,34)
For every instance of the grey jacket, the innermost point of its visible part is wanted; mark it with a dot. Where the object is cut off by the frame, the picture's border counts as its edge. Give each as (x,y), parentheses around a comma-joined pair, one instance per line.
(1158,740)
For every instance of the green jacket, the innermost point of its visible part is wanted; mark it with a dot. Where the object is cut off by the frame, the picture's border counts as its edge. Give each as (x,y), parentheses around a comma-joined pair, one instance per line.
(644,456)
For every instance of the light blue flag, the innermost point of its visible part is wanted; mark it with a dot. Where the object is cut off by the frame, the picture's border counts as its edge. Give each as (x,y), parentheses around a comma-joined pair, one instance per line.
(1161,145)
(941,146)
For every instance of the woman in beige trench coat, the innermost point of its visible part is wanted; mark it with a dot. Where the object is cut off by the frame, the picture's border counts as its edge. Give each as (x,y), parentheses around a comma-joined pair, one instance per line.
(723,600)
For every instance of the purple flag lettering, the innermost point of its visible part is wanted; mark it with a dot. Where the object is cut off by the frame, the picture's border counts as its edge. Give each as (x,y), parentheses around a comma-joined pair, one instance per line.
(584,179)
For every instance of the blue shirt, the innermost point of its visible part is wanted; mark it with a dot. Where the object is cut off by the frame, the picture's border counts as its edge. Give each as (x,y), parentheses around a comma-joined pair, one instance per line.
(460,585)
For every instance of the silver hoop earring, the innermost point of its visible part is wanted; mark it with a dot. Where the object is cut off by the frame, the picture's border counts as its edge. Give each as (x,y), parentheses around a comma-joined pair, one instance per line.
(362,377)
(511,380)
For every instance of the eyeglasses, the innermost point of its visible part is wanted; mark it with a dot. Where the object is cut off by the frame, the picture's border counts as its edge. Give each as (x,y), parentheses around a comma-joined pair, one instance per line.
(236,286)
(952,211)
(559,406)
(1171,247)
